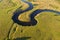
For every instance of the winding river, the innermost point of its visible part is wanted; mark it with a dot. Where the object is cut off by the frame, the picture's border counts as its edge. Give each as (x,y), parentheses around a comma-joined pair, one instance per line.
(32,21)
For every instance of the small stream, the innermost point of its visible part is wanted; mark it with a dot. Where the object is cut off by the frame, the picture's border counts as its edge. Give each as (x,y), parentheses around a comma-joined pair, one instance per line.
(32,21)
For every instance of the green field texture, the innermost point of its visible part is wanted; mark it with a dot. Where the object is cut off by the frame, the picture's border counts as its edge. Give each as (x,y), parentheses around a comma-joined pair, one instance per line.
(47,28)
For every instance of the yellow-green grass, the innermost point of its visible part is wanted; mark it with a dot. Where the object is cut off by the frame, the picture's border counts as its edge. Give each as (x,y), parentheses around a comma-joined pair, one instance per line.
(58,1)
(6,12)
(47,28)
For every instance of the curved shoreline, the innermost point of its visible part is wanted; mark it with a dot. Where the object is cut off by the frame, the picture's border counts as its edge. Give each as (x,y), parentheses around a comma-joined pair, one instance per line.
(32,21)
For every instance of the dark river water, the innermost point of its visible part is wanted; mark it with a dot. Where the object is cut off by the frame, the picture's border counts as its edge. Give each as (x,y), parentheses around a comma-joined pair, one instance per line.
(32,21)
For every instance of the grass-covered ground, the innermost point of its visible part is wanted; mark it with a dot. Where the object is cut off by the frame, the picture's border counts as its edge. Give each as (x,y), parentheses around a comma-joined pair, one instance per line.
(47,28)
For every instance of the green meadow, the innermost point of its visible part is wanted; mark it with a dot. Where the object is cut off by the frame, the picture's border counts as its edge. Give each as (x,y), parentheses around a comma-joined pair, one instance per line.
(47,28)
